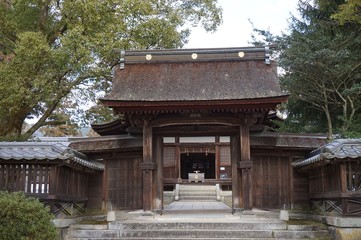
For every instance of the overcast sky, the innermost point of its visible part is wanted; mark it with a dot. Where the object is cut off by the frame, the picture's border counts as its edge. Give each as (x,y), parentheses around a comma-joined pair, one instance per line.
(236,30)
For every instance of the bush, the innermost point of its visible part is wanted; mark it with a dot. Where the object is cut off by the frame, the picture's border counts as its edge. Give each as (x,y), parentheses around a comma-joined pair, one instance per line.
(24,218)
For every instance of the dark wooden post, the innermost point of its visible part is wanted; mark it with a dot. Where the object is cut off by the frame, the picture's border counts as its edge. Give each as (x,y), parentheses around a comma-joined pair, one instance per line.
(105,187)
(235,156)
(158,176)
(147,166)
(246,166)
(52,181)
(178,158)
(343,177)
(343,186)
(217,155)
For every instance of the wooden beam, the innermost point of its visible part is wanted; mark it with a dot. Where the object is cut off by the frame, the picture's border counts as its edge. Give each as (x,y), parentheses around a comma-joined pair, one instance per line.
(158,176)
(217,157)
(52,181)
(343,177)
(236,181)
(147,173)
(214,120)
(291,190)
(246,172)
(196,130)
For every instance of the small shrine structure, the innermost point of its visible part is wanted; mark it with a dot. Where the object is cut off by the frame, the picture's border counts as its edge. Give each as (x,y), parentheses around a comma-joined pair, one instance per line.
(51,171)
(334,176)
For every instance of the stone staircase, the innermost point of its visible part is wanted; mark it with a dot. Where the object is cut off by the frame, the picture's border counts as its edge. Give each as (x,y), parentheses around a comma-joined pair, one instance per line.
(204,230)
(189,192)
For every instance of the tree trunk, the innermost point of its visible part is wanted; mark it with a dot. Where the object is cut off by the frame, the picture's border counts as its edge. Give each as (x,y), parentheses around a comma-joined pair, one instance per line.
(10,127)
(329,123)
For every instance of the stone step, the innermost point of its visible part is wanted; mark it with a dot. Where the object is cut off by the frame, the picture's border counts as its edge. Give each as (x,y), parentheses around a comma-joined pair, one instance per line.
(198,198)
(197,187)
(89,226)
(200,233)
(206,230)
(210,238)
(197,211)
(198,192)
(266,225)
(91,234)
(171,234)
(187,192)
(197,234)
(301,234)
(306,227)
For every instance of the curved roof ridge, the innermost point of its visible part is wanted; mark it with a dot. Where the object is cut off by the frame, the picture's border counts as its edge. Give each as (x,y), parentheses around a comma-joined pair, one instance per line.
(338,149)
(50,151)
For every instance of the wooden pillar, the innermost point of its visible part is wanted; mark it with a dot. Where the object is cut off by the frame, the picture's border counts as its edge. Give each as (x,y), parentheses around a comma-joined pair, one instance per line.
(343,177)
(147,166)
(217,154)
(246,166)
(343,186)
(52,180)
(291,191)
(158,176)
(236,183)
(178,158)
(105,186)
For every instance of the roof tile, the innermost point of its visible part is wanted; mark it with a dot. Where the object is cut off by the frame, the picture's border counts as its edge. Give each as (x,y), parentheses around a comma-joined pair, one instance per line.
(338,149)
(49,151)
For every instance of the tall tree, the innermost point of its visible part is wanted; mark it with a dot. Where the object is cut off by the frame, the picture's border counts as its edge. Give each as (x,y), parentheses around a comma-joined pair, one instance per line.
(350,11)
(321,60)
(51,50)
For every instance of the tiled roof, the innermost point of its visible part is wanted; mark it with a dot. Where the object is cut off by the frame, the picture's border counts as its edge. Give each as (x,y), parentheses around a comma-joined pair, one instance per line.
(338,149)
(45,151)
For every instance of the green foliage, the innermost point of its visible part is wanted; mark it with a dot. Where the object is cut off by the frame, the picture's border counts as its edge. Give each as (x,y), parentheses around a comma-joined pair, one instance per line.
(321,62)
(99,114)
(354,131)
(350,11)
(53,53)
(62,126)
(24,218)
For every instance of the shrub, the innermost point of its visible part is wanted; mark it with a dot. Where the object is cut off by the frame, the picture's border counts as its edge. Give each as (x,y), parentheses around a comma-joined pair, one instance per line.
(24,218)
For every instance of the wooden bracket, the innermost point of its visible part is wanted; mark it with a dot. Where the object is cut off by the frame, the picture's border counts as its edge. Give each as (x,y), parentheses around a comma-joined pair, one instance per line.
(244,164)
(148,166)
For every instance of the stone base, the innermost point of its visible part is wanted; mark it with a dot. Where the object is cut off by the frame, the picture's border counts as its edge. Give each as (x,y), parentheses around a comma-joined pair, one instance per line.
(63,223)
(339,221)
(147,213)
(342,228)
(284,216)
(345,233)
(111,216)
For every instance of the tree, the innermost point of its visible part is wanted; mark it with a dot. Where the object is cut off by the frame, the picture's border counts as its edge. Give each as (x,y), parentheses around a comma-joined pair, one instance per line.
(56,52)
(349,11)
(24,218)
(321,60)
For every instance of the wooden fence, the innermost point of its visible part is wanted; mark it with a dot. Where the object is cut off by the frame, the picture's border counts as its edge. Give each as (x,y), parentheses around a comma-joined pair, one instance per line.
(61,188)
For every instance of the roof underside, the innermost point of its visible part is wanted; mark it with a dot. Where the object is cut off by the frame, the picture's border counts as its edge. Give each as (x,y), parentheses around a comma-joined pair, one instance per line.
(218,75)
(125,143)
